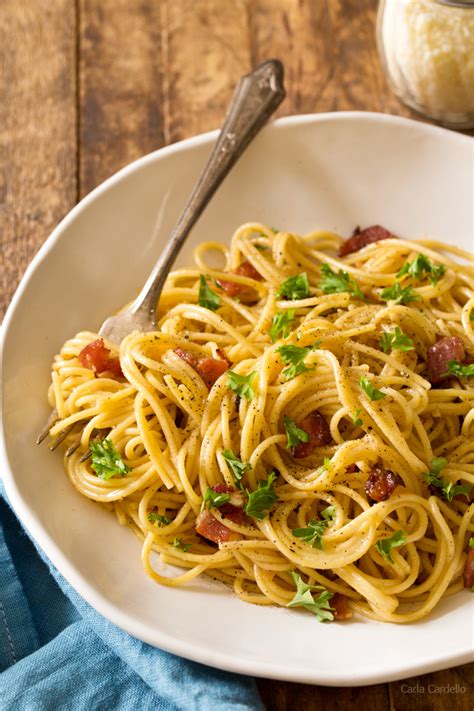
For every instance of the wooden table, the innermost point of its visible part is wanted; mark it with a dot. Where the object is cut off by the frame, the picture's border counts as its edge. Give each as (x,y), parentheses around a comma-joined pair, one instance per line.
(87,86)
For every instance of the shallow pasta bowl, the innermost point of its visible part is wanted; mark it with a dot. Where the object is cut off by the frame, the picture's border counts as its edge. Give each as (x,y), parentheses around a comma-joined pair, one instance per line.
(330,171)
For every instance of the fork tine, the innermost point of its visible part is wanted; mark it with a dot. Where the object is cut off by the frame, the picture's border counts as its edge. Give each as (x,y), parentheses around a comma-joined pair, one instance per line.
(52,419)
(75,445)
(61,437)
(87,455)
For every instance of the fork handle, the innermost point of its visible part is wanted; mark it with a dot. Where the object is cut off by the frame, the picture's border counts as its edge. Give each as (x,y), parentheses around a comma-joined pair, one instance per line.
(255,98)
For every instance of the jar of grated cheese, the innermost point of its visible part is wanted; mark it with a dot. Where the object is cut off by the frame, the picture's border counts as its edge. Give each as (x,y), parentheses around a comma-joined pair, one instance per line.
(427,48)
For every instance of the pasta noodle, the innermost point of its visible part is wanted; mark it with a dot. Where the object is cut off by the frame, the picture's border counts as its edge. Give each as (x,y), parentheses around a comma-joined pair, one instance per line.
(174,435)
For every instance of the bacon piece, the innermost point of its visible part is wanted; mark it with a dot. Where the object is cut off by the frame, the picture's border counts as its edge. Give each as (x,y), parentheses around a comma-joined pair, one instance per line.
(208,368)
(212,529)
(319,434)
(234,509)
(340,603)
(96,356)
(381,483)
(232,288)
(446,349)
(468,575)
(361,238)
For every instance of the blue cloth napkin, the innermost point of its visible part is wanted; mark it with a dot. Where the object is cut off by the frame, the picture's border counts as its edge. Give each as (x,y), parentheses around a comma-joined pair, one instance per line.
(57,652)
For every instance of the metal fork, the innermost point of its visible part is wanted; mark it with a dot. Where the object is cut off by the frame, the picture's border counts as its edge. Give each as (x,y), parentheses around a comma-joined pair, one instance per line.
(255,98)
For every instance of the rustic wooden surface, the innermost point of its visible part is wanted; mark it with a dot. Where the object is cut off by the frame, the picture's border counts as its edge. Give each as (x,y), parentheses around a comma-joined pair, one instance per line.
(86,86)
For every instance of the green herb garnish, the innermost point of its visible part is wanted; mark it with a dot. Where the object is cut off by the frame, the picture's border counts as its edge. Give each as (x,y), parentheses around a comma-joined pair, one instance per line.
(158,518)
(462,371)
(280,327)
(398,295)
(396,340)
(262,499)
(370,390)
(421,267)
(332,283)
(206,297)
(314,531)
(356,419)
(294,434)
(178,543)
(241,384)
(303,598)
(294,356)
(447,488)
(237,467)
(214,499)
(295,287)
(106,461)
(386,545)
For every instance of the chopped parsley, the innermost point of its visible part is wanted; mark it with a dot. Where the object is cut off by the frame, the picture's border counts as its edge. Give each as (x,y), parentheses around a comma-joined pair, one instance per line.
(206,297)
(241,384)
(303,598)
(370,390)
(280,327)
(396,340)
(356,419)
(462,371)
(294,434)
(471,542)
(421,267)
(447,488)
(158,518)
(262,499)
(332,283)
(237,467)
(385,545)
(324,466)
(314,531)
(214,499)
(294,356)
(398,295)
(178,543)
(295,287)
(106,461)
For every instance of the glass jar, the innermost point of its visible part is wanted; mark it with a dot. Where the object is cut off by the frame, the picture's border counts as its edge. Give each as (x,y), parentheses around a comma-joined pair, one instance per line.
(427,48)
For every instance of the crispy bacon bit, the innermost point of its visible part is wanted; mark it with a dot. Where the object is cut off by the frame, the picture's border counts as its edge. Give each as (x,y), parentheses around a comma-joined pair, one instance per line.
(469,569)
(234,509)
(340,603)
(319,434)
(381,483)
(232,288)
(361,238)
(208,368)
(212,529)
(96,356)
(439,355)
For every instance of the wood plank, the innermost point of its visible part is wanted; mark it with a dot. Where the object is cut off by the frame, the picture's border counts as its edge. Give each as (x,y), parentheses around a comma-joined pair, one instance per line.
(284,696)
(120,86)
(205,51)
(450,689)
(37,128)
(329,51)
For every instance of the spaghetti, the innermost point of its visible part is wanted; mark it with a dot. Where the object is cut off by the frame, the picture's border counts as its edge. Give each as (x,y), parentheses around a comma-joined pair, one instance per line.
(318,466)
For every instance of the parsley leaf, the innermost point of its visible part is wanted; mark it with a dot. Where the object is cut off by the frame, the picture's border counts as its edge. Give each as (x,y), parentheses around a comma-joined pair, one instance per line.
(178,543)
(295,287)
(280,327)
(158,518)
(451,490)
(214,499)
(471,542)
(398,295)
(420,267)
(237,467)
(294,434)
(314,531)
(370,390)
(356,419)
(462,371)
(447,488)
(333,283)
(396,340)
(241,384)
(206,297)
(106,461)
(262,499)
(385,545)
(303,598)
(325,466)
(294,356)
(432,477)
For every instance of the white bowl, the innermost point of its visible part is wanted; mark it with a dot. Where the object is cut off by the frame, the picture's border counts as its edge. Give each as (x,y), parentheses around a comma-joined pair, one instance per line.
(330,171)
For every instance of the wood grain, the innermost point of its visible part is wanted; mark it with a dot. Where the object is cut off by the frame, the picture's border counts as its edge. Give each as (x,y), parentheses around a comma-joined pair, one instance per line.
(37,128)
(133,75)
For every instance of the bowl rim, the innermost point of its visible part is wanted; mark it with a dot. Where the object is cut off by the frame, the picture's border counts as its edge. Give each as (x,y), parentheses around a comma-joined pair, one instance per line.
(110,610)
